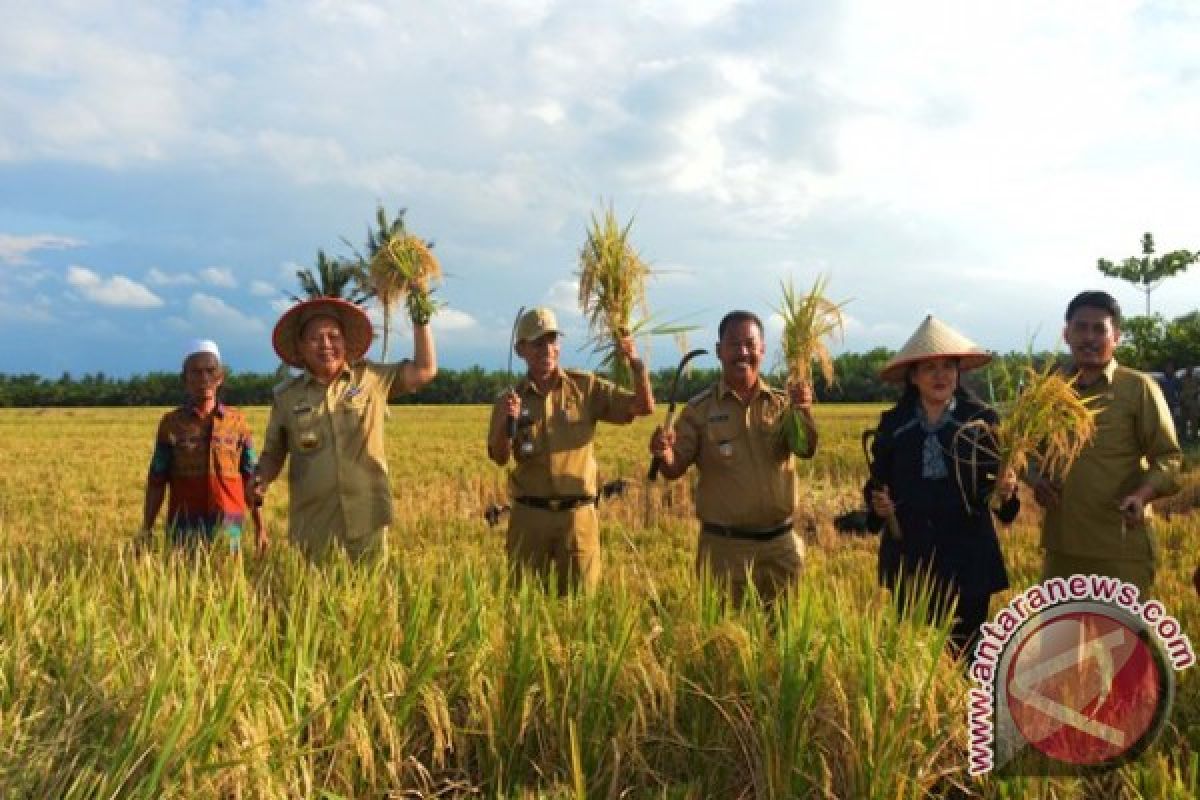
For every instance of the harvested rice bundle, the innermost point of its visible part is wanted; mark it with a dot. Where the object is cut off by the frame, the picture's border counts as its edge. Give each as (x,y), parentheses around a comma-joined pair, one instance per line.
(612,287)
(404,269)
(808,321)
(1046,425)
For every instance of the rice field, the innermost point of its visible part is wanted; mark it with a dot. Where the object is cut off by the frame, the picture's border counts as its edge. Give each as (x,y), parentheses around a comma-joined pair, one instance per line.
(129,673)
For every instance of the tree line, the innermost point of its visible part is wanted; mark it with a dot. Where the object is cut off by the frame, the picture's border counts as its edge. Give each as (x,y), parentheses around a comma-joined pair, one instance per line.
(857,382)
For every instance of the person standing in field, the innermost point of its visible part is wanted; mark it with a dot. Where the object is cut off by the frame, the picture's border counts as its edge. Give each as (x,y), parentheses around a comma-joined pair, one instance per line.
(932,482)
(742,436)
(329,421)
(204,457)
(1189,390)
(554,528)
(1096,520)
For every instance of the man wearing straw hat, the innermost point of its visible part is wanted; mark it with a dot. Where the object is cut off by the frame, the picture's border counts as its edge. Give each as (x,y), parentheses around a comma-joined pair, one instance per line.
(329,421)
(203,453)
(1096,519)
(742,435)
(553,484)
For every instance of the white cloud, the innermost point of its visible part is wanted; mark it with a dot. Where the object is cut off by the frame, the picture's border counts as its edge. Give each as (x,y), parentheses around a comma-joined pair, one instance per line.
(116,290)
(563,297)
(899,146)
(157,277)
(450,320)
(262,289)
(15,250)
(219,276)
(26,312)
(214,311)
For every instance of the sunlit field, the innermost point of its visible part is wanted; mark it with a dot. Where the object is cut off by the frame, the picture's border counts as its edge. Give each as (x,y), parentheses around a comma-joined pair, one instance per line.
(130,673)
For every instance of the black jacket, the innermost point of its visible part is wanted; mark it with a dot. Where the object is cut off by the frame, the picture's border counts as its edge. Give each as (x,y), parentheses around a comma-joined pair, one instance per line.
(946,525)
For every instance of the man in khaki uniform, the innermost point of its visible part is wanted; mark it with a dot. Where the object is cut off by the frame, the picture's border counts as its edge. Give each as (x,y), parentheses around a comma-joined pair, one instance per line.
(1096,520)
(742,434)
(329,420)
(554,527)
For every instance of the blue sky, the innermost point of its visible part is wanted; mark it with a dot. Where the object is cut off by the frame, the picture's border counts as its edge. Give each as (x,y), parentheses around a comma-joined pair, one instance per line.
(166,166)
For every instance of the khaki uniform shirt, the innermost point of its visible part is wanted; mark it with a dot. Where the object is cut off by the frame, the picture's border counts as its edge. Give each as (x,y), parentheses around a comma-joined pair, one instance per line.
(553,447)
(1134,443)
(338,476)
(747,478)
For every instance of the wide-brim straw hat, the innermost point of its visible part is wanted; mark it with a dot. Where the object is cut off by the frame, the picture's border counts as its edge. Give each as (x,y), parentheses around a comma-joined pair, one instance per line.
(934,339)
(356,328)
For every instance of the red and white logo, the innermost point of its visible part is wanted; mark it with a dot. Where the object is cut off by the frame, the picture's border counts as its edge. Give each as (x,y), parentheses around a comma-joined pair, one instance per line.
(1085,688)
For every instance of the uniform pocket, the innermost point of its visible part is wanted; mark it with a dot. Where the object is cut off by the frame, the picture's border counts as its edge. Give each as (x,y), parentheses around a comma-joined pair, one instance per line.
(308,435)
(721,437)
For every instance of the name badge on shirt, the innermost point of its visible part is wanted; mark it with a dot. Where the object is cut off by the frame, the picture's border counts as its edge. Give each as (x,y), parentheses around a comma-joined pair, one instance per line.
(721,417)
(725,449)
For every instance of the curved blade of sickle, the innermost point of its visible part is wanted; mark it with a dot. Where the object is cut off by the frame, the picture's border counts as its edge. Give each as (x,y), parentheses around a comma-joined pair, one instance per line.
(652,475)
(679,371)
(512,345)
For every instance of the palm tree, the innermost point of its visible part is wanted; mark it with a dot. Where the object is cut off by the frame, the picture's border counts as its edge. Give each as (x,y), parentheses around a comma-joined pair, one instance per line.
(334,277)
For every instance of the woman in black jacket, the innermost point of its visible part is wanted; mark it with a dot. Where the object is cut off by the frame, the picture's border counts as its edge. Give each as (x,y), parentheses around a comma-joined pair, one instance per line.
(933,481)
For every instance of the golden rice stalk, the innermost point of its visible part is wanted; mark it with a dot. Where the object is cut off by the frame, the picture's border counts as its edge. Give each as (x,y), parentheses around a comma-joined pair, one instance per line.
(404,265)
(808,321)
(1047,423)
(612,285)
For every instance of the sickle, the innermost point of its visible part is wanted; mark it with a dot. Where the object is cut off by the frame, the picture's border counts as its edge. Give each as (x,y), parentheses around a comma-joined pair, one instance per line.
(670,421)
(893,524)
(512,345)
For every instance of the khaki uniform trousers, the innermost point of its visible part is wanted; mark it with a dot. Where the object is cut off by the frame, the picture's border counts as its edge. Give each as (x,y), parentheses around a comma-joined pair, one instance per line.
(1139,572)
(366,549)
(773,565)
(565,544)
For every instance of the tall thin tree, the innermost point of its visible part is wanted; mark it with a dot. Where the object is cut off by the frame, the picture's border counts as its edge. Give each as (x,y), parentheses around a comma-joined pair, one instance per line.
(1147,273)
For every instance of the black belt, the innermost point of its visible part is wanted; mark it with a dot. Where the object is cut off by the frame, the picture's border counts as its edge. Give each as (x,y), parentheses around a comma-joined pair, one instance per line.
(753,534)
(558,503)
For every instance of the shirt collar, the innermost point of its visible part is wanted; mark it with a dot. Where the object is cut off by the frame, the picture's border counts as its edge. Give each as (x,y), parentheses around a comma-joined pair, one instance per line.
(724,389)
(1110,369)
(526,383)
(218,409)
(344,372)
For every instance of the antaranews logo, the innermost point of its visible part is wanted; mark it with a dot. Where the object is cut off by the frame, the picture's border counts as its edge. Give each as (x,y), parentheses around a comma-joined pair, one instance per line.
(1074,674)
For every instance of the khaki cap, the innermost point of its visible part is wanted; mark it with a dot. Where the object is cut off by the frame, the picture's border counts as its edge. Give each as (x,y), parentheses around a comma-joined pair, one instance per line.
(934,339)
(536,322)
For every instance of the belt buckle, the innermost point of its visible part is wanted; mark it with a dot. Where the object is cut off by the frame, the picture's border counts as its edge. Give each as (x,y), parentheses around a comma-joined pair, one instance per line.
(554,504)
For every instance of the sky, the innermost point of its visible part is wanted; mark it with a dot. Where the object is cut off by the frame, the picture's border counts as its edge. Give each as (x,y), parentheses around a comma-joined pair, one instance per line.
(167,166)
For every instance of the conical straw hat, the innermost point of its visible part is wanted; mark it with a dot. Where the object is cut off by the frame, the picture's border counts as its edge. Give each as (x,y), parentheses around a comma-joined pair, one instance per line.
(934,339)
(356,328)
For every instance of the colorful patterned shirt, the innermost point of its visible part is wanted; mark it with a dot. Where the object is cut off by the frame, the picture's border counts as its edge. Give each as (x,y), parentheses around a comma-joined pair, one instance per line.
(203,461)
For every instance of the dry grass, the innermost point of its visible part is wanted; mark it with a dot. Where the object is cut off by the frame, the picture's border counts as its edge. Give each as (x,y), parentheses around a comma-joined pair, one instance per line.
(612,287)
(809,321)
(1046,425)
(403,270)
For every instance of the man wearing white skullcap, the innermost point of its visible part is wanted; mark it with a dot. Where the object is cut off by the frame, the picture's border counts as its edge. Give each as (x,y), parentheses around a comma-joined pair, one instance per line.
(204,454)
